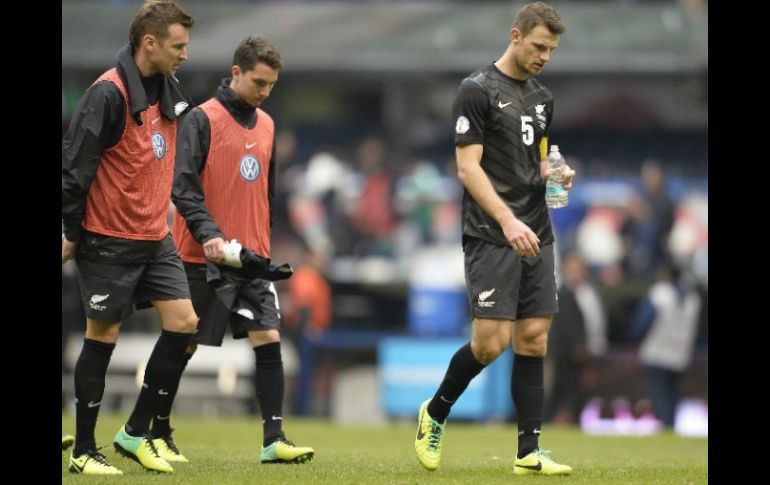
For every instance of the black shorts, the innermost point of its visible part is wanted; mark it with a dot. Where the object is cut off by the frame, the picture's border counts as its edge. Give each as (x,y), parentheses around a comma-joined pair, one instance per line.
(245,306)
(502,284)
(115,274)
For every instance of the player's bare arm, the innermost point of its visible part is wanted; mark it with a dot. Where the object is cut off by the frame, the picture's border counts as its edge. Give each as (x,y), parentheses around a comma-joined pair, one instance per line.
(521,238)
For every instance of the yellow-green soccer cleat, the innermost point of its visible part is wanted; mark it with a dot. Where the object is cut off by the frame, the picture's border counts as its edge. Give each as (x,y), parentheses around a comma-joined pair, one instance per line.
(67,440)
(430,434)
(92,463)
(539,463)
(141,450)
(284,451)
(167,449)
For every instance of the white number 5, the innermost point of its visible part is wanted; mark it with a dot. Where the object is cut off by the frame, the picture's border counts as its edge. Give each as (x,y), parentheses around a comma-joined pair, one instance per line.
(527,133)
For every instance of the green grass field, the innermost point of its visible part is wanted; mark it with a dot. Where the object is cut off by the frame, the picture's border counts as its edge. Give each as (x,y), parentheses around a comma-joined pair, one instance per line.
(226,451)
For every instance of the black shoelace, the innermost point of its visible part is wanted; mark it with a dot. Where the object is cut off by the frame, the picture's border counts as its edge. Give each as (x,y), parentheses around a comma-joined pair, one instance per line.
(148,437)
(434,438)
(170,443)
(96,456)
(285,440)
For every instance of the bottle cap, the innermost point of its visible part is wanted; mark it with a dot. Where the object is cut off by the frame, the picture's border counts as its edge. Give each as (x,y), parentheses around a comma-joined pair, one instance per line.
(554,148)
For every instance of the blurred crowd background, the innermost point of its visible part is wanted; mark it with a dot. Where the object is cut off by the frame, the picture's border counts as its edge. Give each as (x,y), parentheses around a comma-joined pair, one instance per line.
(368,203)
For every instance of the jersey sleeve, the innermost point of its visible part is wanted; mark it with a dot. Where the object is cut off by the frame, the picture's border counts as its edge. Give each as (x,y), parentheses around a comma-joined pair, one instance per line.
(97,125)
(469,112)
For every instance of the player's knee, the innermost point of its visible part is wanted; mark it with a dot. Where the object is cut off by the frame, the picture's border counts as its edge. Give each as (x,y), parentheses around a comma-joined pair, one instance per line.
(107,333)
(535,346)
(487,352)
(188,323)
(264,337)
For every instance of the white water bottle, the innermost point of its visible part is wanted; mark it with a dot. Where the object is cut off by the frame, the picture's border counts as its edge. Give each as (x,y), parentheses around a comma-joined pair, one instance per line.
(233,254)
(555,194)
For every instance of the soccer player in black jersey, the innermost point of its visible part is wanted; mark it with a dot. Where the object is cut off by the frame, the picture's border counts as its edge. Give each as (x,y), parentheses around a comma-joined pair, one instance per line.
(502,115)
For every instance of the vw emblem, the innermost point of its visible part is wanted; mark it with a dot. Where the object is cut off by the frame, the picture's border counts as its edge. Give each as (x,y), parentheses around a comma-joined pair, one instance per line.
(158,145)
(250,168)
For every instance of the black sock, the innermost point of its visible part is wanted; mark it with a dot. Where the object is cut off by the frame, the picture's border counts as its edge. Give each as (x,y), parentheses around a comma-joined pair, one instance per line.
(462,369)
(164,369)
(269,384)
(90,370)
(161,421)
(528,391)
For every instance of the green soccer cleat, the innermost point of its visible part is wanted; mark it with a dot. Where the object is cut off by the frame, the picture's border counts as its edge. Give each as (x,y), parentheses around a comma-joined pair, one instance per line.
(141,450)
(430,434)
(284,451)
(67,440)
(92,463)
(167,449)
(539,463)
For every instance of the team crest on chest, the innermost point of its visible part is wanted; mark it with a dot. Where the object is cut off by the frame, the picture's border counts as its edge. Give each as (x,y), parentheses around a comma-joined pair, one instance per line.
(250,168)
(159,145)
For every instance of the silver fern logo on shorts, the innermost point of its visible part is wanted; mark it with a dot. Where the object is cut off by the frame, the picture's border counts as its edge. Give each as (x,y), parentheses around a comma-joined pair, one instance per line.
(95,300)
(482,301)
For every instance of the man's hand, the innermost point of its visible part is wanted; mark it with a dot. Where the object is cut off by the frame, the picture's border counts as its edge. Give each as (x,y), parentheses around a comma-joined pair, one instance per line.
(67,249)
(521,238)
(214,250)
(567,174)
(567,177)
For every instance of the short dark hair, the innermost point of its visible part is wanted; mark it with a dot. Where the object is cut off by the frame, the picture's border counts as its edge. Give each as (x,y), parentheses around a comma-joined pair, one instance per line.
(533,14)
(255,49)
(155,17)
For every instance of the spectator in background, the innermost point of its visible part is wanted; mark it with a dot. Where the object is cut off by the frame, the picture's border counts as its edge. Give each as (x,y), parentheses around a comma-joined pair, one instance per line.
(291,172)
(567,348)
(666,323)
(310,295)
(316,205)
(640,230)
(224,187)
(575,273)
(576,340)
(117,168)
(374,218)
(416,195)
(661,207)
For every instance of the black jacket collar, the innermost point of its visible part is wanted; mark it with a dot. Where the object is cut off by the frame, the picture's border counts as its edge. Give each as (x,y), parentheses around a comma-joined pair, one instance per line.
(173,100)
(244,113)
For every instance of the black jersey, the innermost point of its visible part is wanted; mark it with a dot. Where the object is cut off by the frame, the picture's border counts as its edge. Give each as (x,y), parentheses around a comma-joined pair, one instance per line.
(508,117)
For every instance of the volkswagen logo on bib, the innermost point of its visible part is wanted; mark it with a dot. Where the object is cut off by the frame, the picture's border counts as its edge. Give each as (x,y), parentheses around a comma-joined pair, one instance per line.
(158,145)
(250,168)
